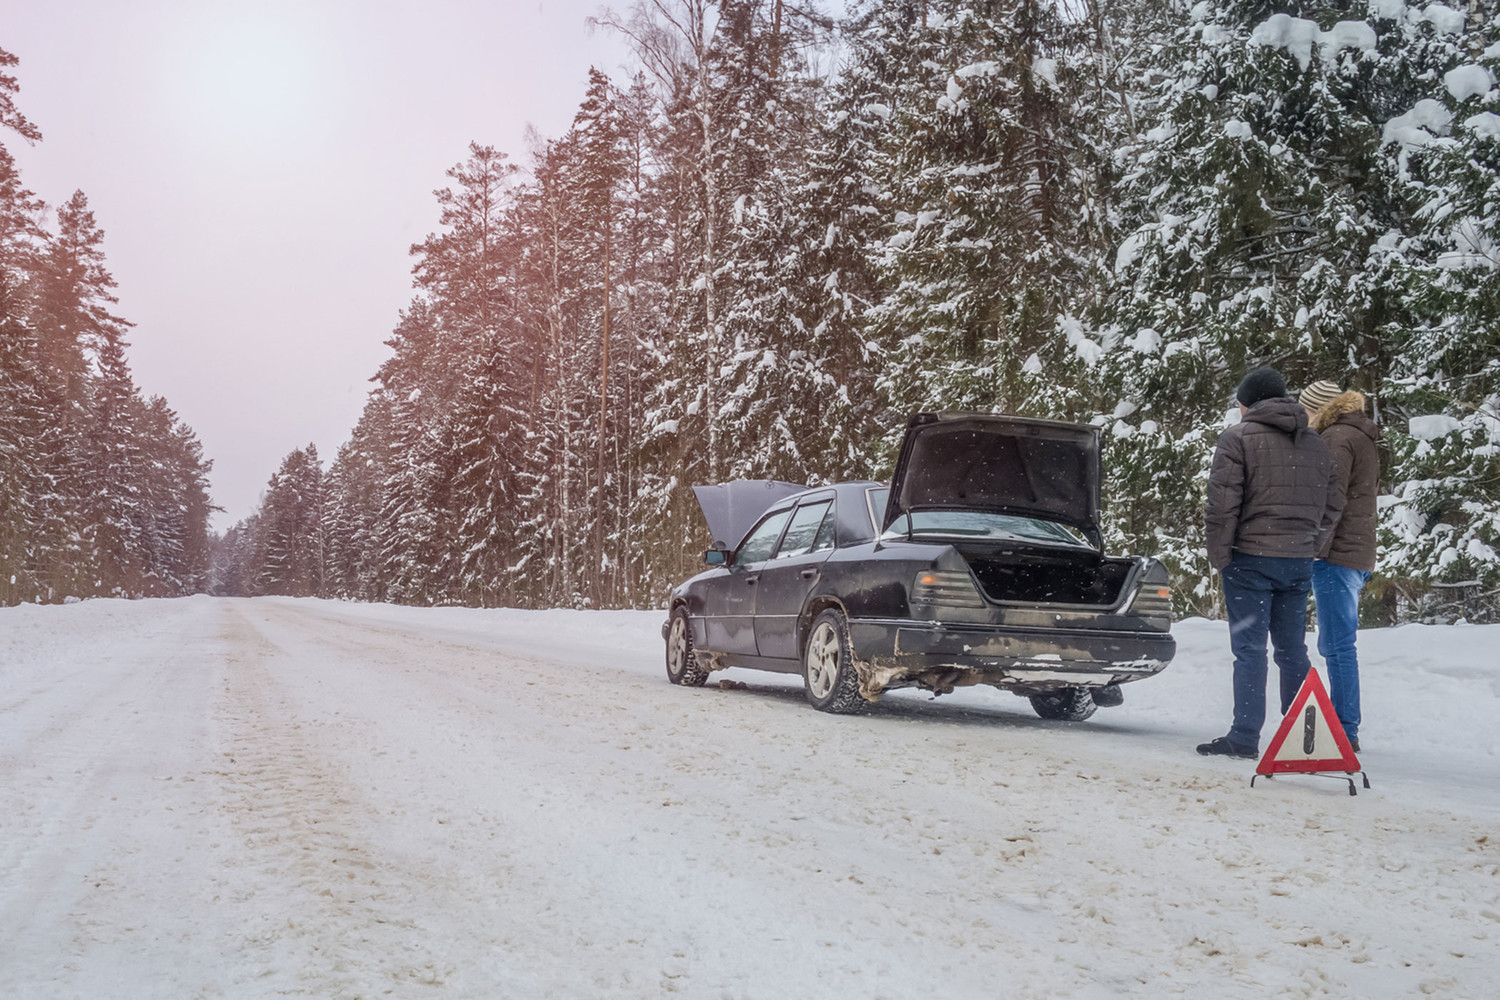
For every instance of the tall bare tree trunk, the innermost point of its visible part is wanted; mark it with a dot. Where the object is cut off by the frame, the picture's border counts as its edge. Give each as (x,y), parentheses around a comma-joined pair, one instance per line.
(602,504)
(710,266)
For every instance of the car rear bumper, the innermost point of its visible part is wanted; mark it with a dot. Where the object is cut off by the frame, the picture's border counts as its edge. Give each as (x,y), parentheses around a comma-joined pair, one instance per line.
(1012,656)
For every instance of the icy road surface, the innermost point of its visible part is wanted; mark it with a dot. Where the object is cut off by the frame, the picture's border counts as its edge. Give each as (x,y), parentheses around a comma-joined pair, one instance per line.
(267,798)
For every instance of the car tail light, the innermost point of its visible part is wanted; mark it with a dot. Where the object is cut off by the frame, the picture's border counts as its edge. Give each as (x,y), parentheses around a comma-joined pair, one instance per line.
(1153,600)
(950,588)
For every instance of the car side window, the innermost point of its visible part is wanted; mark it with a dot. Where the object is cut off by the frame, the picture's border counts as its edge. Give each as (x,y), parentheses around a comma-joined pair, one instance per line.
(803,531)
(825,539)
(877,498)
(762,539)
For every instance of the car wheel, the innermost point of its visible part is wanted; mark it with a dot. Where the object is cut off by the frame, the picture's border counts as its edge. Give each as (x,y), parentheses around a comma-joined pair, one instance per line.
(827,668)
(682,661)
(1065,704)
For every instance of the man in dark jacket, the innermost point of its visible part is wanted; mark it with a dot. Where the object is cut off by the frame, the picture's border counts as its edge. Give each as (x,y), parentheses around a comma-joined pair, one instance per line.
(1272,505)
(1344,565)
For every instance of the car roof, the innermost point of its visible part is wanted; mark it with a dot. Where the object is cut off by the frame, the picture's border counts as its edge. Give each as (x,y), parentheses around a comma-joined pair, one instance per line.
(852,509)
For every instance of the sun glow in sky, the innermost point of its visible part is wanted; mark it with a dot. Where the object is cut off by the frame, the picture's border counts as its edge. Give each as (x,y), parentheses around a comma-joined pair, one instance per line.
(260,170)
(250,74)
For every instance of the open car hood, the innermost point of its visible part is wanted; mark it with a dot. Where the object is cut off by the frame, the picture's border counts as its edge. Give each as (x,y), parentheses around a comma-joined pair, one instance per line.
(1008,465)
(731,509)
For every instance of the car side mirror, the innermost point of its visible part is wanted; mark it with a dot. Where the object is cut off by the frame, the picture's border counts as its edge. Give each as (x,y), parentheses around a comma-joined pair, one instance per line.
(716,557)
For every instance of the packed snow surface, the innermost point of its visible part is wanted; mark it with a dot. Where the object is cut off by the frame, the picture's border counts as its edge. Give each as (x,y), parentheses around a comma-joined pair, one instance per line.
(272,797)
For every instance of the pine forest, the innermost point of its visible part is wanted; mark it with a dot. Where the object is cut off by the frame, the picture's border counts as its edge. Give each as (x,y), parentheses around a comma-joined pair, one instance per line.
(103,493)
(790,227)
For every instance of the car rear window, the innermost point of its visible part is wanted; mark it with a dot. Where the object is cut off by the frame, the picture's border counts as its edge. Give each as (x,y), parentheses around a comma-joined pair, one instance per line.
(983,524)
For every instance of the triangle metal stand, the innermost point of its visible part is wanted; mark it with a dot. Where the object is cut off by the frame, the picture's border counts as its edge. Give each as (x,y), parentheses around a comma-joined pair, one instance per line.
(1335,775)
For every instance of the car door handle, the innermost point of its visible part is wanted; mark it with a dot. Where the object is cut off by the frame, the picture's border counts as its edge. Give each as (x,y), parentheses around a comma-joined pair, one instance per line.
(750,580)
(810,572)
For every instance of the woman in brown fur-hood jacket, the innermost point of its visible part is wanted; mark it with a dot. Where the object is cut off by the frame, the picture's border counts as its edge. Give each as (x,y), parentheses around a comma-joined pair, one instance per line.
(1346,562)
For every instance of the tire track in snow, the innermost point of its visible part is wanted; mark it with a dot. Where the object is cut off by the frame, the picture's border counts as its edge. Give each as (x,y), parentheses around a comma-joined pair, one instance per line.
(328,912)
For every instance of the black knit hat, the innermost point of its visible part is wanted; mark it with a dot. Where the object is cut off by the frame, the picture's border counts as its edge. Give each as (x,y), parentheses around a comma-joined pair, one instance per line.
(1263,383)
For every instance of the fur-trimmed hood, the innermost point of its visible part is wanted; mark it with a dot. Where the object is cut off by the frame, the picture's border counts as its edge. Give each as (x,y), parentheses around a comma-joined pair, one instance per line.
(1340,406)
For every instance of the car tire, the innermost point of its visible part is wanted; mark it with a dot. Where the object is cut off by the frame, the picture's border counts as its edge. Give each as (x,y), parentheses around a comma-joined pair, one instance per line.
(682,660)
(828,667)
(1070,704)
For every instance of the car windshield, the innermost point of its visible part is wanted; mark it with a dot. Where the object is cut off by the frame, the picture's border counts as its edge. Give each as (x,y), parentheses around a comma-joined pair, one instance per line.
(982,524)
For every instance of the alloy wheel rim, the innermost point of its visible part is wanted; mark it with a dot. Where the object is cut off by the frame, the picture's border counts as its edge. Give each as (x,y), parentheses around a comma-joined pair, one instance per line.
(822,661)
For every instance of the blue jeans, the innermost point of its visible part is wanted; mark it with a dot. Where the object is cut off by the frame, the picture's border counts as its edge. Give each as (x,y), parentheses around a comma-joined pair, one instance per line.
(1337,591)
(1265,595)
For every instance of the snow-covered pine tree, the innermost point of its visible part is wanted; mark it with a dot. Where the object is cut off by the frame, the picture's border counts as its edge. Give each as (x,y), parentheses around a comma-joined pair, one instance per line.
(1254,212)
(175,503)
(468,271)
(353,501)
(23,415)
(601,171)
(240,556)
(114,504)
(291,525)
(22,419)
(783,409)
(1441,396)
(412,531)
(10,115)
(89,445)
(93,516)
(647,262)
(986,173)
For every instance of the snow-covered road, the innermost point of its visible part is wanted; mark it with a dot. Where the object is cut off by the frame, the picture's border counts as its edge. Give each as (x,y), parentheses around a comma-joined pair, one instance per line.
(259,798)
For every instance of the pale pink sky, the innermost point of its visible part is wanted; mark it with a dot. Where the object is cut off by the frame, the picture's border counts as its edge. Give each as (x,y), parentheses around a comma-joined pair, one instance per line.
(260,169)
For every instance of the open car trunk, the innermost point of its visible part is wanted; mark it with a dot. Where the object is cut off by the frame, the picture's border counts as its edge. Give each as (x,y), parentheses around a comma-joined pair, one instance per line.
(1046,575)
(998,464)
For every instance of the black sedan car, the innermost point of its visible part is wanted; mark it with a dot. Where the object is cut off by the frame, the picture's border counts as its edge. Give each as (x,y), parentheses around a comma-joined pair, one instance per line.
(981,563)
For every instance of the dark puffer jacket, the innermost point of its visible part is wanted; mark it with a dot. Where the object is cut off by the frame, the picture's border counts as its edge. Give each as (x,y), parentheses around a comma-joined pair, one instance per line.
(1272,490)
(1352,438)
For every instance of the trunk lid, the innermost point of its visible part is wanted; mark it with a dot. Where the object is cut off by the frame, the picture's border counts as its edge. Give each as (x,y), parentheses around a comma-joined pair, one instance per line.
(1043,469)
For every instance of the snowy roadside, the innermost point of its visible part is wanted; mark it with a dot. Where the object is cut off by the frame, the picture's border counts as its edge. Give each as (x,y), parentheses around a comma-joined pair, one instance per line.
(269,797)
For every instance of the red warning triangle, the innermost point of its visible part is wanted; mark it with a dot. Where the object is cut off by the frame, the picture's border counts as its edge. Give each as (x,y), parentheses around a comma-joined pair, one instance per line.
(1311,738)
